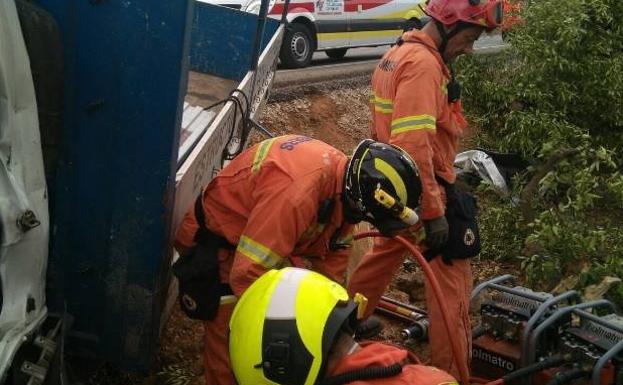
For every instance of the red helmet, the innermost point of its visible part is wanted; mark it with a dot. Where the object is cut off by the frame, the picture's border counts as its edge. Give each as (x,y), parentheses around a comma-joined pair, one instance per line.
(485,13)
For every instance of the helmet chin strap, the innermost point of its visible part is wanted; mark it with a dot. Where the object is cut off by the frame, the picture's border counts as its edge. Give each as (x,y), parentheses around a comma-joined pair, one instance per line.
(446,36)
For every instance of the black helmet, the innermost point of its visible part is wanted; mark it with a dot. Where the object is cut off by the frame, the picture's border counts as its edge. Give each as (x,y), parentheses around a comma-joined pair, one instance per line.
(378,166)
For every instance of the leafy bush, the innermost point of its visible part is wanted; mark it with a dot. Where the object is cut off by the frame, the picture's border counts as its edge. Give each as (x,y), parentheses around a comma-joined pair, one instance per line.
(502,235)
(555,97)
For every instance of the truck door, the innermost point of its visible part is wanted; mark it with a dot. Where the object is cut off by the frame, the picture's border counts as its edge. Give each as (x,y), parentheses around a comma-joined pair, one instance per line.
(331,23)
(373,22)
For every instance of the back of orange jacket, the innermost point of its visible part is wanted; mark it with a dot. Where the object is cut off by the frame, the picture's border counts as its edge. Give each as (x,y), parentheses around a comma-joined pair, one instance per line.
(267,202)
(411,110)
(377,355)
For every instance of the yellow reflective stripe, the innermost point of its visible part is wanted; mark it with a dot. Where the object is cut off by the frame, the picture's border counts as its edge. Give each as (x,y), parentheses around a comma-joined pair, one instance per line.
(361,163)
(258,252)
(404,119)
(394,178)
(327,36)
(414,122)
(227,299)
(261,153)
(414,128)
(383,105)
(384,110)
(381,100)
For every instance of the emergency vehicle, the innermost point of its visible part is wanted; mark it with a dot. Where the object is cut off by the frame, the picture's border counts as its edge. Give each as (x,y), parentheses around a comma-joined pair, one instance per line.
(334,26)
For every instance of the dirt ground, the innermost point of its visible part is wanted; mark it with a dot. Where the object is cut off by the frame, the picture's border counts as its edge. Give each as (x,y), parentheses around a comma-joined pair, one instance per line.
(339,115)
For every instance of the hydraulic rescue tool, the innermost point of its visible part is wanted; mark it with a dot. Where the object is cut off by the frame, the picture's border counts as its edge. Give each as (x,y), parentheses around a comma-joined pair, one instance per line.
(507,319)
(528,337)
(418,318)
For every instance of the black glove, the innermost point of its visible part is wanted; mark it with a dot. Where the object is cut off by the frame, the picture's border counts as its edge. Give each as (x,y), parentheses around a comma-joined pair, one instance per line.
(436,233)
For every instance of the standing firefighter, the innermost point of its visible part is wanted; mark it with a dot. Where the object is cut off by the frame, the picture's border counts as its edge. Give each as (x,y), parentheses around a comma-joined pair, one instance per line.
(416,106)
(302,334)
(287,196)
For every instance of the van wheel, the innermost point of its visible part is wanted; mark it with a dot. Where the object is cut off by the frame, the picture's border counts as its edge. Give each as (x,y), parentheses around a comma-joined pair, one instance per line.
(336,53)
(297,47)
(412,24)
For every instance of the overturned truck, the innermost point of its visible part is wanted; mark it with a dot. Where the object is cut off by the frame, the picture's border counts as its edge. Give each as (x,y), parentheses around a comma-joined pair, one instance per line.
(113,115)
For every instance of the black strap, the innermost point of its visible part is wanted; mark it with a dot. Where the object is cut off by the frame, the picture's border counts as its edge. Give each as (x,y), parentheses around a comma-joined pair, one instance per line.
(364,374)
(325,211)
(203,234)
(453,87)
(443,182)
(443,35)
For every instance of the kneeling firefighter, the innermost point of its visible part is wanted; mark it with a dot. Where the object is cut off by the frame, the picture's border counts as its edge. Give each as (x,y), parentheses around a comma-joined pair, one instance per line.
(295,327)
(286,196)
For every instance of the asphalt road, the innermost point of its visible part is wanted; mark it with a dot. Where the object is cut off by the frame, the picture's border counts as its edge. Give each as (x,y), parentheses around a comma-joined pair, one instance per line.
(358,61)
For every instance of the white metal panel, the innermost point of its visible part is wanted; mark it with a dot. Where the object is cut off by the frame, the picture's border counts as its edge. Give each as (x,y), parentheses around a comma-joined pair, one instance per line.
(23,254)
(204,160)
(195,121)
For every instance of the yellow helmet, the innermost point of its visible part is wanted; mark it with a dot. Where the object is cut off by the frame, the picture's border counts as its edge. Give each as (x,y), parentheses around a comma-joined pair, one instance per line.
(284,325)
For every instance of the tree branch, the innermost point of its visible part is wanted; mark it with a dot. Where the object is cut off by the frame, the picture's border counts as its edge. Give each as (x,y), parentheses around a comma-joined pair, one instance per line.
(527,193)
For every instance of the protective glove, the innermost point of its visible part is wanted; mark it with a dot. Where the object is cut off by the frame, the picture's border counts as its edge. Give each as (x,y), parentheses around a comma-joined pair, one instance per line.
(436,232)
(368,328)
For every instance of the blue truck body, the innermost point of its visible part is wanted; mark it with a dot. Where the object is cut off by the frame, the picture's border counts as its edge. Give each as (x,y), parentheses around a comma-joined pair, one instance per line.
(112,197)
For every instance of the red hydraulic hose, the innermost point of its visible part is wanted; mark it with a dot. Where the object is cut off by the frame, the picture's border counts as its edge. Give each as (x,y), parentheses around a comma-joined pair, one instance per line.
(499,381)
(463,370)
(478,380)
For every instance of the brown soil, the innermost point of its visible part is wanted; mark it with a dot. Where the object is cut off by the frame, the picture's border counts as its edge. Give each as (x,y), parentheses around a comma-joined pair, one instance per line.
(339,117)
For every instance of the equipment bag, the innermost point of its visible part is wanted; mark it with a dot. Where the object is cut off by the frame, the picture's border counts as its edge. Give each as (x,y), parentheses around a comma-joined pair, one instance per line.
(197,271)
(463,237)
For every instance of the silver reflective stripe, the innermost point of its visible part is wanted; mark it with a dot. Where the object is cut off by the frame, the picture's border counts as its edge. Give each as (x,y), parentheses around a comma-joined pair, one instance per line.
(227,299)
(282,304)
(258,252)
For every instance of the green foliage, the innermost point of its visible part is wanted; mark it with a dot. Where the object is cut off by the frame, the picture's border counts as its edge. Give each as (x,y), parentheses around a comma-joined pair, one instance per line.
(502,236)
(555,97)
(571,53)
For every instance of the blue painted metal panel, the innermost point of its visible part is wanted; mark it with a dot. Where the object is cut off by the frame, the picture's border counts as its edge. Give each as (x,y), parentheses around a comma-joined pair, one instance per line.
(125,78)
(221,32)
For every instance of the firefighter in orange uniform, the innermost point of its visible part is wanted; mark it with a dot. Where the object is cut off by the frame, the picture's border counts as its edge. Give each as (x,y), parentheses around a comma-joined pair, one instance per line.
(286,196)
(416,106)
(304,335)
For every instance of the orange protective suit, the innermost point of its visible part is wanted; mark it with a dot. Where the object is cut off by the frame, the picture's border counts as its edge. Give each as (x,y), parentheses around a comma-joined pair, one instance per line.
(267,202)
(411,110)
(382,355)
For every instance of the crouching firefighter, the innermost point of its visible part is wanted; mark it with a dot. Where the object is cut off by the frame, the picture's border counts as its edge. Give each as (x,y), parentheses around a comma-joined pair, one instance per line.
(295,327)
(286,196)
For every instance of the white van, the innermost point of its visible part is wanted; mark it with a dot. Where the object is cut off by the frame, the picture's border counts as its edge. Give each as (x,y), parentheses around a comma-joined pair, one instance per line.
(334,26)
